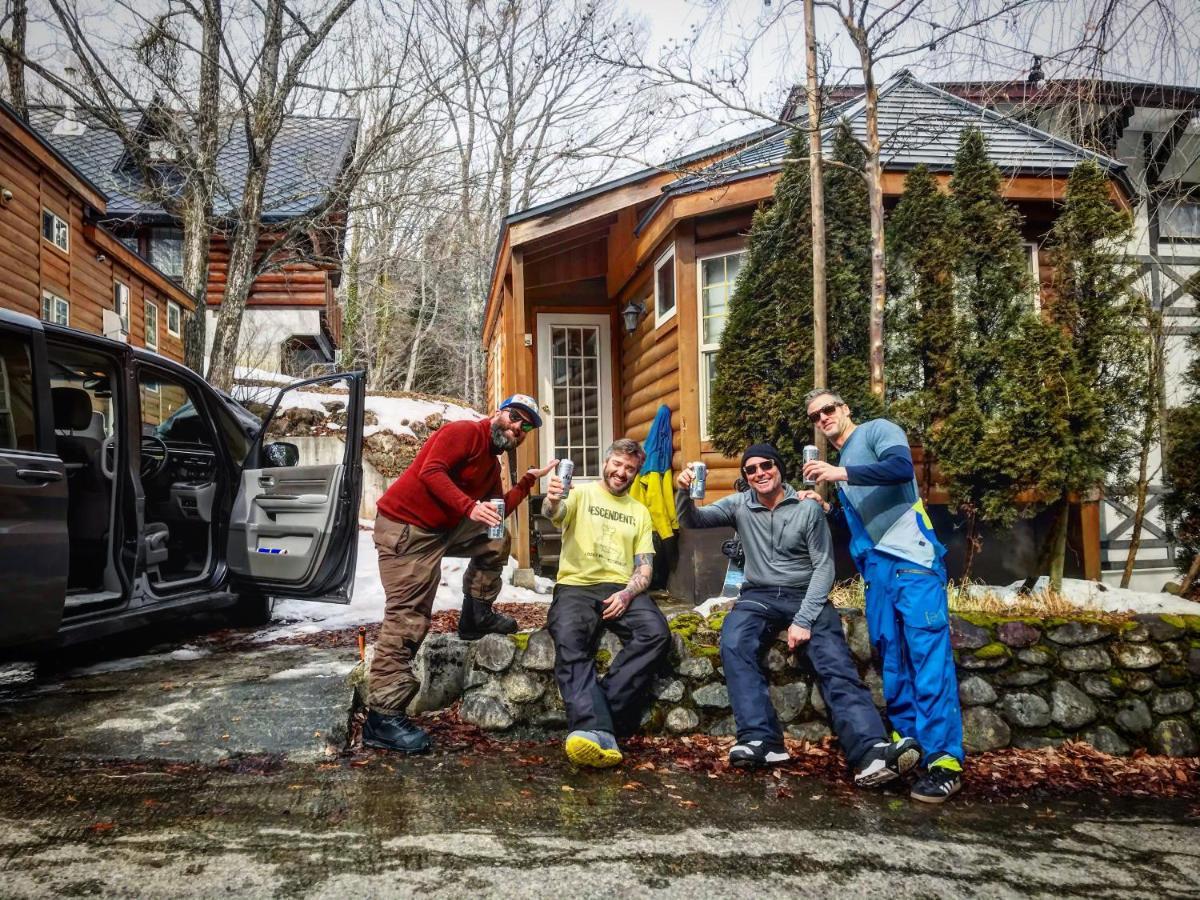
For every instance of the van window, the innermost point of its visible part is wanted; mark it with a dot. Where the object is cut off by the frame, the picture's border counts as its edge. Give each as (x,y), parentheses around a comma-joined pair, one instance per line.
(17,431)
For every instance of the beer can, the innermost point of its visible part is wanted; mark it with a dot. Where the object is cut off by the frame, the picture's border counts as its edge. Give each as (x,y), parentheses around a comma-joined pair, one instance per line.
(810,453)
(699,477)
(497,531)
(565,471)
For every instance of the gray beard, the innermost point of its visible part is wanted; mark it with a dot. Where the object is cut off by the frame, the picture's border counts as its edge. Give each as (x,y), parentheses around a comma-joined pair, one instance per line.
(500,439)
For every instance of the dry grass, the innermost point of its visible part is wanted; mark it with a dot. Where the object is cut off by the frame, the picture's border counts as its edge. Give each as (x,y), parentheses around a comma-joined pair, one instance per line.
(1043,604)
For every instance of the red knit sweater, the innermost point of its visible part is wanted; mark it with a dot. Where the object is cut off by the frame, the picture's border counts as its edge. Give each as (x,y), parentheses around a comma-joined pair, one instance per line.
(456,467)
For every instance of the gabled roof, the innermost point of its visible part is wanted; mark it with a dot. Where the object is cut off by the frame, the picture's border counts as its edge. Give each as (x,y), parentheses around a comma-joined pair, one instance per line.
(308,157)
(918,125)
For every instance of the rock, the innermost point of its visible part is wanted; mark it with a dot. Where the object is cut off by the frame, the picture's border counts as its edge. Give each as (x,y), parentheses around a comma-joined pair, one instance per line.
(390,453)
(551,718)
(524,578)
(333,406)
(1070,707)
(441,666)
(1135,656)
(1161,629)
(1193,662)
(966,636)
(775,660)
(1036,742)
(1170,676)
(1140,682)
(494,652)
(858,637)
(434,421)
(789,700)
(1084,659)
(1169,703)
(1099,686)
(678,651)
(668,689)
(813,732)
(653,718)
(1172,652)
(694,667)
(476,677)
(725,727)
(974,691)
(681,719)
(1024,677)
(1133,716)
(1106,740)
(1173,737)
(1074,633)
(1036,656)
(485,710)
(713,696)
(983,730)
(539,652)
(986,662)
(521,687)
(1018,634)
(818,701)
(1025,710)
(1138,634)
(611,644)
(874,682)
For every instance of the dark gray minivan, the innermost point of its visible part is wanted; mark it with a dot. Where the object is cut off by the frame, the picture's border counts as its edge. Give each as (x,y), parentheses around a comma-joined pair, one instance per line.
(132,489)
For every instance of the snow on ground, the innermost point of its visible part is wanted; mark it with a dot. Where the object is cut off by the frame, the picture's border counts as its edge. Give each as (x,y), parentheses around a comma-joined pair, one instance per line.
(293,617)
(246,373)
(1092,595)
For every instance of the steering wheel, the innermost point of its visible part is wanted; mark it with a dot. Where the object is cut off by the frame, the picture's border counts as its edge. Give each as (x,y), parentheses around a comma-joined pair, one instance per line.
(108,457)
(154,456)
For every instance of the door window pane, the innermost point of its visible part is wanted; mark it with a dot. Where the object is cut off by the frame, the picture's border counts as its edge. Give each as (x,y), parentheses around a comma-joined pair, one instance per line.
(17,430)
(575,370)
(718,276)
(664,287)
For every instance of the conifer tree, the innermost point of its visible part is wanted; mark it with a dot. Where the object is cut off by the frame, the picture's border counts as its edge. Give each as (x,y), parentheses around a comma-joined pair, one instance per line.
(764,367)
(1103,318)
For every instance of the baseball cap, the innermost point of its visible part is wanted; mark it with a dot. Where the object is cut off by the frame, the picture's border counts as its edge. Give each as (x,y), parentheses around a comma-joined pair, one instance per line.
(526,404)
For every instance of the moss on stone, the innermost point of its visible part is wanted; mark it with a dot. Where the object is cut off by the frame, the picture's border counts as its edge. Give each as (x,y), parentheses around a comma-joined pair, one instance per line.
(1192,623)
(603,658)
(717,619)
(1173,620)
(994,650)
(521,639)
(991,620)
(704,650)
(686,624)
(1116,679)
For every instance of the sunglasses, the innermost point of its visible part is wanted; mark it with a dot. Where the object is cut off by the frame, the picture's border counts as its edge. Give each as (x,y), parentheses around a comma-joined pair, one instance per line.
(516,417)
(766,466)
(827,410)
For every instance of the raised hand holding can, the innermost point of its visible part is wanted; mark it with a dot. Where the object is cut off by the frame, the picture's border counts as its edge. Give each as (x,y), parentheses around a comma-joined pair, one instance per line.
(699,477)
(565,471)
(811,453)
(497,530)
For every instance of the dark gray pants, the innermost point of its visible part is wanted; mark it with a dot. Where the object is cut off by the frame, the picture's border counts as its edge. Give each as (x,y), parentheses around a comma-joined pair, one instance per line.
(615,703)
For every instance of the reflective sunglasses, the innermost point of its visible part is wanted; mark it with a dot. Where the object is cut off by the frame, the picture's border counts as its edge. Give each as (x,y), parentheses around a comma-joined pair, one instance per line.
(515,417)
(827,410)
(766,466)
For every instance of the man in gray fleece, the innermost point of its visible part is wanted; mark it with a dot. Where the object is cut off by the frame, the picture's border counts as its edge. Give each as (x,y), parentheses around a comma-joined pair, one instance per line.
(789,571)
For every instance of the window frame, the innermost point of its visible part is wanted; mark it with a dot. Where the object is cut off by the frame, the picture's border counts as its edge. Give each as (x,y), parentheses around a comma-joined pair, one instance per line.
(1164,217)
(161,234)
(120,303)
(55,298)
(172,306)
(703,349)
(668,256)
(146,330)
(66,230)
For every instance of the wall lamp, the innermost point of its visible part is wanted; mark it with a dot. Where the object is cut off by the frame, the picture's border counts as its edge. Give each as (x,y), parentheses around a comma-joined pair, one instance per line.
(631,314)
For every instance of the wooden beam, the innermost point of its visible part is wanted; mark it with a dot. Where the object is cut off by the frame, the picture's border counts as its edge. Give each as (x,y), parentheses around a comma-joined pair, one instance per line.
(688,314)
(592,208)
(521,381)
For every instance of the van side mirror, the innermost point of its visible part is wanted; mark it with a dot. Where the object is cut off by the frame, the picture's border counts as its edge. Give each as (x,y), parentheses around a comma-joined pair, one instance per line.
(280,455)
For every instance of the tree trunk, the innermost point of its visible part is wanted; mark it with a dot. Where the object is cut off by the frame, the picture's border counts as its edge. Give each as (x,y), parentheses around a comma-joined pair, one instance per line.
(14,49)
(973,542)
(875,200)
(197,242)
(816,177)
(1058,546)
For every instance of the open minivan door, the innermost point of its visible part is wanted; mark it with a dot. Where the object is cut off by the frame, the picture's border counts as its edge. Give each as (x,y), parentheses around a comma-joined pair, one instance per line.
(294,528)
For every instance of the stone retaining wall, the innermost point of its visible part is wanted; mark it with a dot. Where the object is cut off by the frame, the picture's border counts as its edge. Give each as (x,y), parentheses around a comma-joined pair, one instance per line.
(1023,682)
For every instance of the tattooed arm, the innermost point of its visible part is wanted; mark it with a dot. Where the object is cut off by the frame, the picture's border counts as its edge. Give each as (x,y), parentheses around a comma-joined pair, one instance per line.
(643,570)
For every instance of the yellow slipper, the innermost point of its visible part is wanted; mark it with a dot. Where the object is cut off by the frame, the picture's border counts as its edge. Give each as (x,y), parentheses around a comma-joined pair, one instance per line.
(584,748)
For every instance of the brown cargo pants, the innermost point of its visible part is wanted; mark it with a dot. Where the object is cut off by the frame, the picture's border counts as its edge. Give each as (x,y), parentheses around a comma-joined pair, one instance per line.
(410,568)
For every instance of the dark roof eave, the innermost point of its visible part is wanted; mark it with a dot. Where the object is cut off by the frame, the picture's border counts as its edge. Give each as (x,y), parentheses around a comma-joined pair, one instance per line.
(49,148)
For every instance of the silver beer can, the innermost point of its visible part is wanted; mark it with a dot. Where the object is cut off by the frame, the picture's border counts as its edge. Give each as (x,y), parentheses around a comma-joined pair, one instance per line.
(565,470)
(810,453)
(497,531)
(699,477)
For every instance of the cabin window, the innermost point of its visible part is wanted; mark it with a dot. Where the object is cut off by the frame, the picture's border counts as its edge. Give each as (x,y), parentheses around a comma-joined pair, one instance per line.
(174,313)
(1181,221)
(151,326)
(55,230)
(717,277)
(1031,266)
(166,251)
(121,303)
(664,287)
(55,309)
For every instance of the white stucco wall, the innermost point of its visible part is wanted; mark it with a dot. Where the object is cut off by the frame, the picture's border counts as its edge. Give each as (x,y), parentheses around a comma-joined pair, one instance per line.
(263,332)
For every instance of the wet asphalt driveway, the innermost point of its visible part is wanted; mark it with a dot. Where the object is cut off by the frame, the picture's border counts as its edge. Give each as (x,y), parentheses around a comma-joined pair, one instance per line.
(215,770)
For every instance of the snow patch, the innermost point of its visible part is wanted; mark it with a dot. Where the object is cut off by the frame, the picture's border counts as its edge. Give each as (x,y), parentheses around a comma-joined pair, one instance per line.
(1097,597)
(325,669)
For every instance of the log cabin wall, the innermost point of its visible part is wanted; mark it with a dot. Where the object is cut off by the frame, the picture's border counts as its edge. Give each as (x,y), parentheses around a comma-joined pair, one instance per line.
(85,273)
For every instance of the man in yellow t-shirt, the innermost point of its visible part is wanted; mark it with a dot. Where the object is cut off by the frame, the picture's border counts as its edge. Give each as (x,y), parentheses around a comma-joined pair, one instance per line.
(603,572)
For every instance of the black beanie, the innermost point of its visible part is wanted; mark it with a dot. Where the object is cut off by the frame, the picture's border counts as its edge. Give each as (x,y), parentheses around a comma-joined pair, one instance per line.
(766,451)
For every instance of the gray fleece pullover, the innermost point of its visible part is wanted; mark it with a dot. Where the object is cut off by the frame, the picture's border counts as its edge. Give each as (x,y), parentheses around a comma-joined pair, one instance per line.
(788,546)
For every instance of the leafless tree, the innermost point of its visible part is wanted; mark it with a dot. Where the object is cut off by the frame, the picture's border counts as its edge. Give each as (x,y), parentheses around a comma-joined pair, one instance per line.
(15,19)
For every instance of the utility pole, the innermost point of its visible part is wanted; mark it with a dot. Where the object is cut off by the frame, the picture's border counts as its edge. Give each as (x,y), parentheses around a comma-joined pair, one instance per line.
(817,192)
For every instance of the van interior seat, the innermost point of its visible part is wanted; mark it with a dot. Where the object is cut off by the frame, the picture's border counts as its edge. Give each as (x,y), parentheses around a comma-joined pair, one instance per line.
(89,495)
(73,414)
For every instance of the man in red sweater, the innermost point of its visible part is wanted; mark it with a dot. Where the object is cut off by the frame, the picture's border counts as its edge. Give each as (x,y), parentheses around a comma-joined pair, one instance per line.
(440,506)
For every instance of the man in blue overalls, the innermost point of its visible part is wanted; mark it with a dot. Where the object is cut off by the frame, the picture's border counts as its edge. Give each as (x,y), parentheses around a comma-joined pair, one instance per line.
(900,558)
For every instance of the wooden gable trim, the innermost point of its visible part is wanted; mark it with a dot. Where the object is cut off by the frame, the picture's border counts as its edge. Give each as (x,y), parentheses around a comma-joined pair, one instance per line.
(104,240)
(19,133)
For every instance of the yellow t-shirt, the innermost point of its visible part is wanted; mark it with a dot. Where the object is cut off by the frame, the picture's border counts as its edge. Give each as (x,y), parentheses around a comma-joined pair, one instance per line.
(601,535)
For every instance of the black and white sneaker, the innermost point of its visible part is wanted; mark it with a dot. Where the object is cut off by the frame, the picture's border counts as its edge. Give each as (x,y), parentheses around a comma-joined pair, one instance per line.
(757,755)
(903,754)
(937,785)
(885,762)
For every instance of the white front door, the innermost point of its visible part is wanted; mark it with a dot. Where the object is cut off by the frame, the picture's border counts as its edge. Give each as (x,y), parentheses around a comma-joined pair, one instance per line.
(575,380)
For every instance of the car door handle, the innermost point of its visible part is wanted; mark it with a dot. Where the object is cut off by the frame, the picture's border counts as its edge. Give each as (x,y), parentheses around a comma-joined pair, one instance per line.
(39,475)
(266,480)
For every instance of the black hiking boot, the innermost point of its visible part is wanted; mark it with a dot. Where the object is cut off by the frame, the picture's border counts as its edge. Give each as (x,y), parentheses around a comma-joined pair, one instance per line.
(478,618)
(395,733)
